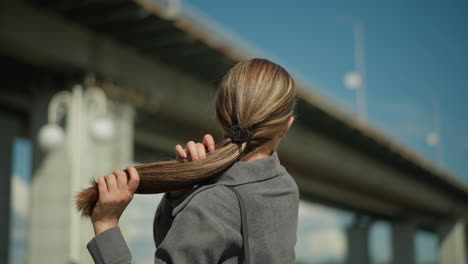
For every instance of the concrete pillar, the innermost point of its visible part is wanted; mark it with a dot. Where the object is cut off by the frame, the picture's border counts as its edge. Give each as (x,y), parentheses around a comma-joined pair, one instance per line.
(358,241)
(403,242)
(452,242)
(51,199)
(103,158)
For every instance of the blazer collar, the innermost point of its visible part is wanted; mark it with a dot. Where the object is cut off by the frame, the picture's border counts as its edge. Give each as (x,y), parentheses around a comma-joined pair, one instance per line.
(238,174)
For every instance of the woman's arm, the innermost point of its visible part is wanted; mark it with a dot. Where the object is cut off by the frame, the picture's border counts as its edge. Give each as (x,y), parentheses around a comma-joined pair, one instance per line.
(109,247)
(197,234)
(115,193)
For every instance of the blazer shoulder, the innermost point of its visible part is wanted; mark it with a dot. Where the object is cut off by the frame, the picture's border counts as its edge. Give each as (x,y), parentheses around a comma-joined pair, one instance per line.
(213,197)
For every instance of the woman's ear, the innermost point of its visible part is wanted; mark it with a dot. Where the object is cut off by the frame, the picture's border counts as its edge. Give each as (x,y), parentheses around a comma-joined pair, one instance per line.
(285,130)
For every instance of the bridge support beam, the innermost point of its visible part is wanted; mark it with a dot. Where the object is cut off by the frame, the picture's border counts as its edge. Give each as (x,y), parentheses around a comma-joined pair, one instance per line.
(358,241)
(452,242)
(403,242)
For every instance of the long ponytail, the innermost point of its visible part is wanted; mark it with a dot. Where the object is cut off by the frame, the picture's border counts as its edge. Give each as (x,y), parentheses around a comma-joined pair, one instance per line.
(256,94)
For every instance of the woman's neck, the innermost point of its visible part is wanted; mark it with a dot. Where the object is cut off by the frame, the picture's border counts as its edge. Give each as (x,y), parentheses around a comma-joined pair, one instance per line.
(260,155)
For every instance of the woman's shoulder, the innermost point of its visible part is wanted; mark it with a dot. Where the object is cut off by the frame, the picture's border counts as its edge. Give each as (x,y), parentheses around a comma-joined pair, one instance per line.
(213,198)
(219,196)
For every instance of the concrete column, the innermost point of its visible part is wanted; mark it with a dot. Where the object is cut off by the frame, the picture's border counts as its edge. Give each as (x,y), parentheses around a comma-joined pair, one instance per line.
(50,191)
(103,158)
(403,242)
(452,242)
(358,241)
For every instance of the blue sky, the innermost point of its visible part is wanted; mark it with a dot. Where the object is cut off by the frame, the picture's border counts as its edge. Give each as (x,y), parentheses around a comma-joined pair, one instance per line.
(415,55)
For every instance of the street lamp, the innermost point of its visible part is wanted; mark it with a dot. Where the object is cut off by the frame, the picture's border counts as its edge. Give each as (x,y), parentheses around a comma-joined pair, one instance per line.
(433,138)
(86,110)
(355,80)
(51,136)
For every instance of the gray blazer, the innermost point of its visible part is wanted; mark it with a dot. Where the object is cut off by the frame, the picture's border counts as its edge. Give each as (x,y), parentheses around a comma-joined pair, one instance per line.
(203,226)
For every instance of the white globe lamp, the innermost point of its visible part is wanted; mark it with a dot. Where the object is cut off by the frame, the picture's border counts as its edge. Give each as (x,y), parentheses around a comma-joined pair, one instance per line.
(102,129)
(432,138)
(51,136)
(353,80)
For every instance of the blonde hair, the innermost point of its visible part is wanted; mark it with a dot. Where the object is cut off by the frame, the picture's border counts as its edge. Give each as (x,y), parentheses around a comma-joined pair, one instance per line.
(261,95)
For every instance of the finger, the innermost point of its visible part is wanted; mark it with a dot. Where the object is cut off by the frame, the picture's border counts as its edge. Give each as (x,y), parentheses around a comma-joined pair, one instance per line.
(134,179)
(180,152)
(191,148)
(111,183)
(208,141)
(201,151)
(102,187)
(121,179)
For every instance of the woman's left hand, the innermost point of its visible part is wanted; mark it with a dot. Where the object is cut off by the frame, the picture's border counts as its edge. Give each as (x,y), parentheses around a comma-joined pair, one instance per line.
(115,193)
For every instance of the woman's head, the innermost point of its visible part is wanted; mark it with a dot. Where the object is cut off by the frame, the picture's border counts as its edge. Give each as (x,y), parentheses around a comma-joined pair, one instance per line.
(255,93)
(262,95)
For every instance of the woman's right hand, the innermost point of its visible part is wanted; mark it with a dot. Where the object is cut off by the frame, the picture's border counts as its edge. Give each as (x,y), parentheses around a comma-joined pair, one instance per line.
(196,151)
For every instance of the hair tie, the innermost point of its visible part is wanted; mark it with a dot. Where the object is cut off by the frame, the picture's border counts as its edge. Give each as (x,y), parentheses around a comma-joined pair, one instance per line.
(240,135)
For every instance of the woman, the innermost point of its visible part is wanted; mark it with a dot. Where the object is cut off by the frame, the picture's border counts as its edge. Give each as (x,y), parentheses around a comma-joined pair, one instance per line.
(204,223)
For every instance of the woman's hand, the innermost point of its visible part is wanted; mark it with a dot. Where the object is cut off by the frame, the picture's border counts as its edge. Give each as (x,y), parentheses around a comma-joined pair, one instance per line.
(115,193)
(196,151)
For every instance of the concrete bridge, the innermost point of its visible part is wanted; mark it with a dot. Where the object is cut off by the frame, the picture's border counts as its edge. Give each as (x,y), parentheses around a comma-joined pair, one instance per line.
(164,71)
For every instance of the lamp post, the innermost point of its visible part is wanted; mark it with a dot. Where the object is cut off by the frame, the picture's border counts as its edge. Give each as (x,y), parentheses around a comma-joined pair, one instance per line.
(433,138)
(355,80)
(87,111)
